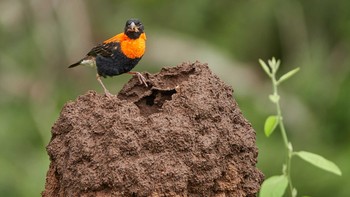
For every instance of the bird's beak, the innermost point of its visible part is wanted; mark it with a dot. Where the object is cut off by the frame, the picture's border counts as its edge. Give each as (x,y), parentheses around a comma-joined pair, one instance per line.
(133,27)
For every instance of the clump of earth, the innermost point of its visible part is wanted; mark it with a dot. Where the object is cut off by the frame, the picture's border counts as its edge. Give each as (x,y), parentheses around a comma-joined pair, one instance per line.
(183,135)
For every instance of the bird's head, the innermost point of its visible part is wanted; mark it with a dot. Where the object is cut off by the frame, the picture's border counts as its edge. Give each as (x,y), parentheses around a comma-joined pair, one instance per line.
(133,28)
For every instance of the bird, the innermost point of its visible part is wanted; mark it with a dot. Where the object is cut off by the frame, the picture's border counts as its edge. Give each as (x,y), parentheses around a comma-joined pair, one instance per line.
(118,54)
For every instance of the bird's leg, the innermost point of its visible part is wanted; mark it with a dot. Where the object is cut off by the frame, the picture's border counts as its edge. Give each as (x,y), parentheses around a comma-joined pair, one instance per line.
(141,78)
(98,77)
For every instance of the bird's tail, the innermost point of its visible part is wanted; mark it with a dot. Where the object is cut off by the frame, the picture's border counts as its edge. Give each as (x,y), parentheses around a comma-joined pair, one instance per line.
(75,64)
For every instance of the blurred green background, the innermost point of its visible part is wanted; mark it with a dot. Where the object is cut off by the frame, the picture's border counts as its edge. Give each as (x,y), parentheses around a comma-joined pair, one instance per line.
(40,38)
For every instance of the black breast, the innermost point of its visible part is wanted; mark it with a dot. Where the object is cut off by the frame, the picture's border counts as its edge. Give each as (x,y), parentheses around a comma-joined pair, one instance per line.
(115,64)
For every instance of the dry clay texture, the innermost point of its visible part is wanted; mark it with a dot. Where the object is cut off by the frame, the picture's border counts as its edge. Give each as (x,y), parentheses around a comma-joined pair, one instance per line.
(184,135)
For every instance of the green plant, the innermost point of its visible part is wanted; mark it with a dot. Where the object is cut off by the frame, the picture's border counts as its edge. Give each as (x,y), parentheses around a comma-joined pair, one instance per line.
(276,186)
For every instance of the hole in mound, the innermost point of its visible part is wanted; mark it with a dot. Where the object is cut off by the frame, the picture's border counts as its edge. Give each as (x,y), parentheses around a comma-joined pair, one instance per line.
(153,103)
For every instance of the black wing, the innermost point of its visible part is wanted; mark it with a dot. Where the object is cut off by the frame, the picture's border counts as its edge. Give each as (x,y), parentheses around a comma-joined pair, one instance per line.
(105,50)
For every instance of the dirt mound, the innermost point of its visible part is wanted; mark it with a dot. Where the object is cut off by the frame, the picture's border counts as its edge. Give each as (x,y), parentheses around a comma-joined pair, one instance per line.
(184,135)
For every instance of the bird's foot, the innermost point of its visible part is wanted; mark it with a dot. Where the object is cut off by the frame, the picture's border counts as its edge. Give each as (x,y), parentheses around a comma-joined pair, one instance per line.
(108,94)
(141,78)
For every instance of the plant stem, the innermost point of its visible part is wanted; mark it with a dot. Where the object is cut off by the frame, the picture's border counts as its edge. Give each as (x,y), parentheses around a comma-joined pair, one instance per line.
(284,133)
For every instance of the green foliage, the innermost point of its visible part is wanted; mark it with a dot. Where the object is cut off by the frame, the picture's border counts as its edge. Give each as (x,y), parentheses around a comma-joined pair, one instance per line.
(274,98)
(270,125)
(319,161)
(287,75)
(276,185)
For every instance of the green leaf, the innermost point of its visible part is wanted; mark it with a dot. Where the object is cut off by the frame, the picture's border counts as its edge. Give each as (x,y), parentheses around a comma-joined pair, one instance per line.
(294,192)
(274,98)
(319,161)
(270,125)
(274,186)
(265,67)
(288,75)
(278,64)
(274,65)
